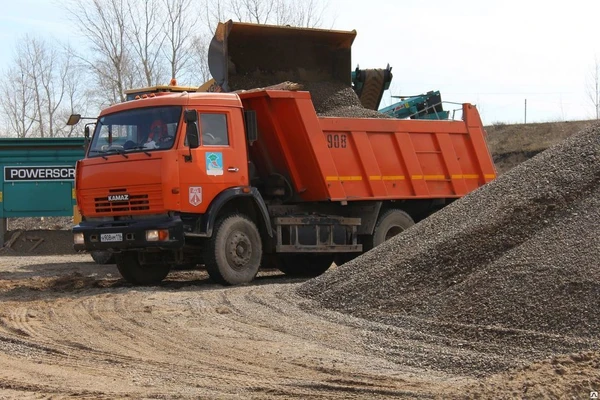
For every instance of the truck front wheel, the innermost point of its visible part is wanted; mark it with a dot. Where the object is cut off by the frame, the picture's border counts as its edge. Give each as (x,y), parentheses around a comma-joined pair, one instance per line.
(133,272)
(233,253)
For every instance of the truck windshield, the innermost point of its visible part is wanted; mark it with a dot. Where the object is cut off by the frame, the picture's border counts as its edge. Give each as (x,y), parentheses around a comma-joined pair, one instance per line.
(142,129)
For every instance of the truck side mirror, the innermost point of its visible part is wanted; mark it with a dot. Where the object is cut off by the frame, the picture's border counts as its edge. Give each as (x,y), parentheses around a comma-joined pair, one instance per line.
(191,134)
(73,119)
(190,116)
(86,136)
(251,126)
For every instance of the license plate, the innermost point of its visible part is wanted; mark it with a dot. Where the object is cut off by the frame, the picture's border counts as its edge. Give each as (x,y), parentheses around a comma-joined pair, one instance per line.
(111,237)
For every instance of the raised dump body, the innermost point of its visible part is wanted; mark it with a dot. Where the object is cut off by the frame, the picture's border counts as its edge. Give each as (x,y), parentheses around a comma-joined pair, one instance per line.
(352,159)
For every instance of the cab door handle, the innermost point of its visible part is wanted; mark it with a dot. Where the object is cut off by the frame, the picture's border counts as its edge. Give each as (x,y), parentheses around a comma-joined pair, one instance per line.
(233,169)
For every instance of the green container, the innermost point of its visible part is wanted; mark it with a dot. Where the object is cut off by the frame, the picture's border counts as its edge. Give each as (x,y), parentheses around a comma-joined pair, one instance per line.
(38,176)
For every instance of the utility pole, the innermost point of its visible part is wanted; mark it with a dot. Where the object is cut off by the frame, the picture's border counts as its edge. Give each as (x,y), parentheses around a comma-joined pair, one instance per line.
(525,111)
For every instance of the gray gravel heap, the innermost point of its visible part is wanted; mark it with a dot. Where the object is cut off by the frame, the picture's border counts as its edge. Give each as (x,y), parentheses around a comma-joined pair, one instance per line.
(331,99)
(516,262)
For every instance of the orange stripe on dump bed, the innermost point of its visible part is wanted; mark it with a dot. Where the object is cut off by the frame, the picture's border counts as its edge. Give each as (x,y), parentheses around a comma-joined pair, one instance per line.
(387,178)
(343,178)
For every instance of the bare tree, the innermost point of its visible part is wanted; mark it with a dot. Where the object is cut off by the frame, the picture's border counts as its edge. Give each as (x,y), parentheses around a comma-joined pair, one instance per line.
(53,70)
(77,97)
(306,13)
(214,12)
(179,30)
(103,23)
(33,89)
(146,37)
(16,101)
(593,86)
(198,72)
(256,11)
(29,60)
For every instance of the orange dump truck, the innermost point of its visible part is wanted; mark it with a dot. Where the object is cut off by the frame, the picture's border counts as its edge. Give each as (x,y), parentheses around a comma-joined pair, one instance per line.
(240,181)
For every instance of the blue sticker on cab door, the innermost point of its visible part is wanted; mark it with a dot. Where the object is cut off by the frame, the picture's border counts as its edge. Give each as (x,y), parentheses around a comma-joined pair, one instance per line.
(214,163)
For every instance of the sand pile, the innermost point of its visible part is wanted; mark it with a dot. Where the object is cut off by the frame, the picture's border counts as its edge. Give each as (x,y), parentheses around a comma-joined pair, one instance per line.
(516,262)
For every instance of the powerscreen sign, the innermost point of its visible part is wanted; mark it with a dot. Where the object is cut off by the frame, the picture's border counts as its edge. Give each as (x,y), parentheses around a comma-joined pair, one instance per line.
(38,173)
(37,177)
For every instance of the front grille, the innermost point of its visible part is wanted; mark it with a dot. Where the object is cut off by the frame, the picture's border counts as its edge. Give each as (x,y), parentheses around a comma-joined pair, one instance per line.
(137,202)
(143,199)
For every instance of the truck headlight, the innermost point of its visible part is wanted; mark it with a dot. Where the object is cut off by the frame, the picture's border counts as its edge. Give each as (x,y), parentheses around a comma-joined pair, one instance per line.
(78,238)
(157,235)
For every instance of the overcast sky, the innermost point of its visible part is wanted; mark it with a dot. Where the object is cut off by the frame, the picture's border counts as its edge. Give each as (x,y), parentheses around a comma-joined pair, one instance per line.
(495,54)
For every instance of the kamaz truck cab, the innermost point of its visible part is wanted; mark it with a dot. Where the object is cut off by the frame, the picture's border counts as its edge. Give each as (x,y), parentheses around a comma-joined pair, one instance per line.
(151,156)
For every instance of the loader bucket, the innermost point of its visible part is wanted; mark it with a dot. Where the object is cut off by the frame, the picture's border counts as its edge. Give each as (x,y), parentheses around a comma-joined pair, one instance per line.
(278,53)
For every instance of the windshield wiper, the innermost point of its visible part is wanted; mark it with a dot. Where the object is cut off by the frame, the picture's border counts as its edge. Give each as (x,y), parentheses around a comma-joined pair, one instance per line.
(110,151)
(117,150)
(140,147)
(101,152)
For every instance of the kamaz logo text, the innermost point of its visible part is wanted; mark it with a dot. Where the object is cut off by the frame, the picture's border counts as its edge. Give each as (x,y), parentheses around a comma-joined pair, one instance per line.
(118,197)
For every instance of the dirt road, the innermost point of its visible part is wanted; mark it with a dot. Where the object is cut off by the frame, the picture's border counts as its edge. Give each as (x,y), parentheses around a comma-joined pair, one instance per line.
(69,327)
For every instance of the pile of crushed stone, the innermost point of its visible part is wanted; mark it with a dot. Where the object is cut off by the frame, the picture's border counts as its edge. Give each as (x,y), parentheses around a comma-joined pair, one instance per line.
(511,268)
(331,99)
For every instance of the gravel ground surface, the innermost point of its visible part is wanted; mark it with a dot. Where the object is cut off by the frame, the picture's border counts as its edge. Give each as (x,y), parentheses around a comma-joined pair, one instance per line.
(510,272)
(72,329)
(39,223)
(571,376)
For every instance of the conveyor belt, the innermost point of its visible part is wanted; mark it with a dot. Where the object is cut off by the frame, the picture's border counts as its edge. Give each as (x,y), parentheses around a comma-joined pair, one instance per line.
(370,84)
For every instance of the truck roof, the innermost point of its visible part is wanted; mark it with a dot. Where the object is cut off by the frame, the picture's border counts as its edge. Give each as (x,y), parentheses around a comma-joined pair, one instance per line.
(174,99)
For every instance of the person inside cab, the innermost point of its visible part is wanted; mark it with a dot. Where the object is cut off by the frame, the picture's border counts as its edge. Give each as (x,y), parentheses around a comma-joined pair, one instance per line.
(214,129)
(158,136)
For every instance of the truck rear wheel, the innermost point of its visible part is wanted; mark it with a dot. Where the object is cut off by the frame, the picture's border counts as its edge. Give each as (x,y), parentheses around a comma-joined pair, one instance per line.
(305,264)
(234,252)
(389,224)
(103,257)
(133,272)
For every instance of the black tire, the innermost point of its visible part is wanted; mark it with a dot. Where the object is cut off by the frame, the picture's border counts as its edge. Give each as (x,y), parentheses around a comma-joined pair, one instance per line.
(234,252)
(135,273)
(389,224)
(372,90)
(305,265)
(103,257)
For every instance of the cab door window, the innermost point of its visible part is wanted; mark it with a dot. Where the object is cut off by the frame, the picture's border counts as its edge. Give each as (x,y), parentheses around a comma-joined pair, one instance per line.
(214,129)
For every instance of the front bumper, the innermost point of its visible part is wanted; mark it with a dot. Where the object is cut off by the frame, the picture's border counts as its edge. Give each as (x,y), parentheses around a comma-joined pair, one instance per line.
(133,234)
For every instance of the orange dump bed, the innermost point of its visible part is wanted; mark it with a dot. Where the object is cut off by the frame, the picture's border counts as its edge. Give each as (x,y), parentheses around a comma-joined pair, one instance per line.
(366,159)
